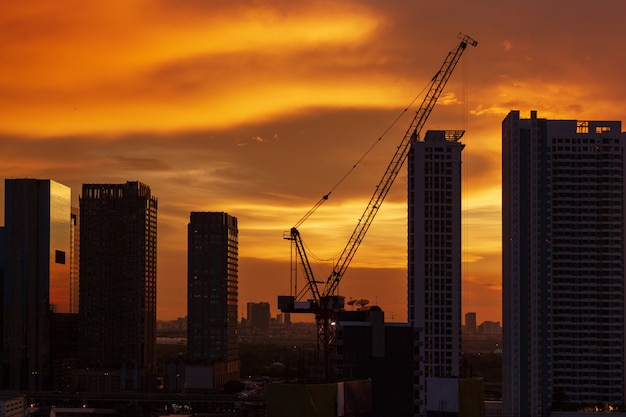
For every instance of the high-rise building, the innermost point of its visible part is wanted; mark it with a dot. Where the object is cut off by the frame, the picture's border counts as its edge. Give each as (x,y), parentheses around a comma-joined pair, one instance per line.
(118,260)
(212,291)
(562,264)
(434,258)
(259,317)
(36,278)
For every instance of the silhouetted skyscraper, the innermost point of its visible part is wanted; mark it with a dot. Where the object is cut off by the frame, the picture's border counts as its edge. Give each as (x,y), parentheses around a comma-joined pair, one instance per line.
(36,278)
(470,322)
(118,259)
(434,264)
(563,264)
(259,317)
(212,290)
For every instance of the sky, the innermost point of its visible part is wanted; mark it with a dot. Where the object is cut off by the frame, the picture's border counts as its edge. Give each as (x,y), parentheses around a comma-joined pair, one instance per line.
(259,108)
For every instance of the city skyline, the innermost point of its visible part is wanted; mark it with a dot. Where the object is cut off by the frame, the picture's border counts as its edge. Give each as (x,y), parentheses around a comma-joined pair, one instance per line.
(259,110)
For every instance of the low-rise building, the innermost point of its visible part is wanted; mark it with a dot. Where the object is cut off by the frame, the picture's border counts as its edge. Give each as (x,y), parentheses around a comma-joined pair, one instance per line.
(369,348)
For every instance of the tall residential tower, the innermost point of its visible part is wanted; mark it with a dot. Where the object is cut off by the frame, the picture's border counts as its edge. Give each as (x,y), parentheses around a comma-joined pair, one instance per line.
(118,255)
(434,259)
(562,264)
(212,293)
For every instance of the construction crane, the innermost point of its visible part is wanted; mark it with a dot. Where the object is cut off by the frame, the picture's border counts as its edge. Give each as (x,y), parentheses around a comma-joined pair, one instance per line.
(325,303)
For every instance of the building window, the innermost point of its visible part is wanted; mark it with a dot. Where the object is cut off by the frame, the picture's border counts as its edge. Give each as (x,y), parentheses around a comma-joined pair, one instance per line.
(582,127)
(59,257)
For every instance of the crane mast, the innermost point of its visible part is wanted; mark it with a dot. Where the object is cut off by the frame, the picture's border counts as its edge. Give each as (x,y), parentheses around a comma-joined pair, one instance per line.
(325,303)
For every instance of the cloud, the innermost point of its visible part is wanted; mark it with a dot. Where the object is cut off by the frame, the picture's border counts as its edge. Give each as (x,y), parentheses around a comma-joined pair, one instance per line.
(142,164)
(169,69)
(481,110)
(260,108)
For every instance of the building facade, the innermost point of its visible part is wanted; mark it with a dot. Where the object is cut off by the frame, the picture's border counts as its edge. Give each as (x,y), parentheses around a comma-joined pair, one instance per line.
(369,348)
(74,260)
(12,404)
(562,264)
(434,258)
(212,277)
(118,259)
(36,278)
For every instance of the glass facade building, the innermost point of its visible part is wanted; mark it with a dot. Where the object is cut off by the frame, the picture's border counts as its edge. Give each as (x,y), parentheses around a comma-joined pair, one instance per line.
(212,290)
(36,277)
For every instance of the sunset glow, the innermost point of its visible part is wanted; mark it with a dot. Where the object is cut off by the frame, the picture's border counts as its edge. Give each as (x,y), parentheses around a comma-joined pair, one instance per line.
(259,108)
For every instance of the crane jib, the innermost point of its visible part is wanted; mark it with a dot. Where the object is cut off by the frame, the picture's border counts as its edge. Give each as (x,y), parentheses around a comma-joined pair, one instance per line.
(438,82)
(325,303)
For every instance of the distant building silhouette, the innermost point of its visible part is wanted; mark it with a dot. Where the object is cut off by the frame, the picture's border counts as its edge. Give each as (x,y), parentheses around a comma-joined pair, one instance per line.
(118,254)
(434,259)
(486,338)
(470,322)
(563,264)
(212,274)
(492,328)
(259,317)
(35,278)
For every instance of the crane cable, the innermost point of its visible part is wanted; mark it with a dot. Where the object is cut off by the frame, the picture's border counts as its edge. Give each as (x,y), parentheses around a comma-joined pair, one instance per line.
(325,197)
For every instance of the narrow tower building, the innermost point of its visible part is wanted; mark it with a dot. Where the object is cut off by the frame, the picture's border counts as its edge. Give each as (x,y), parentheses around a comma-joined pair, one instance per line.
(212,293)
(434,258)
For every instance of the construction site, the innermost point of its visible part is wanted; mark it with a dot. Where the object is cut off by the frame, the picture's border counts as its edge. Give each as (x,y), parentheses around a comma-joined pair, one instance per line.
(364,366)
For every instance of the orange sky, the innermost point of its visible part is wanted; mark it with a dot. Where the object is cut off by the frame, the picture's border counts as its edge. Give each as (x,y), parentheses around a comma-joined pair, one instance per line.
(258,108)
